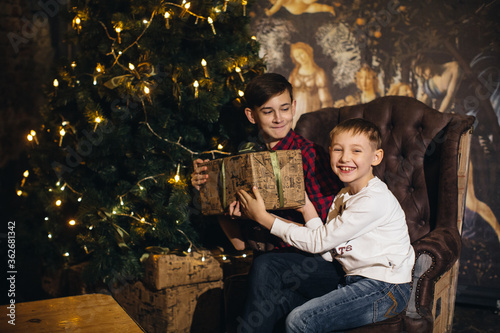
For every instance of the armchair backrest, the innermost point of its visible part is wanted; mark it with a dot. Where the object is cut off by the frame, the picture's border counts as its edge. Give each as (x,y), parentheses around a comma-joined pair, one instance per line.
(421,147)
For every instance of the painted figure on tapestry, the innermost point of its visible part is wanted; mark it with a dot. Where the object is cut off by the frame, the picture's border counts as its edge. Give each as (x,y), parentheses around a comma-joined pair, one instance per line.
(400,89)
(309,81)
(367,82)
(438,84)
(298,7)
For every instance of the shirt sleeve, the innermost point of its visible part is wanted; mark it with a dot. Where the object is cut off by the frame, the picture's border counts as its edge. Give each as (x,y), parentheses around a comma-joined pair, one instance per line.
(364,214)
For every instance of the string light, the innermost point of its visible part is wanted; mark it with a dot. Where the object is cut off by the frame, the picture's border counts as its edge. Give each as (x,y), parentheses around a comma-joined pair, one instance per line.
(62,132)
(19,193)
(72,222)
(204,64)
(26,174)
(238,70)
(244,3)
(131,66)
(73,64)
(58,203)
(177,177)
(185,9)
(56,84)
(146,90)
(167,20)
(196,85)
(241,93)
(49,235)
(118,30)
(220,146)
(97,121)
(32,136)
(77,24)
(66,254)
(211,22)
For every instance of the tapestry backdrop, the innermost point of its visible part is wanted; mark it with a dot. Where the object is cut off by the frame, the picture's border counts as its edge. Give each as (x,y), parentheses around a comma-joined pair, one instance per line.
(445,54)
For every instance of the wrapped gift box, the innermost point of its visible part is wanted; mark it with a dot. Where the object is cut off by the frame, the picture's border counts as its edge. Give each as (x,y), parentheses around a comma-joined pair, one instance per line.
(179,294)
(277,174)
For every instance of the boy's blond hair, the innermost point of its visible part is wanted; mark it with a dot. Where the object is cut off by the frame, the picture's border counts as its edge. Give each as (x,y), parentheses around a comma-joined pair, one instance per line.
(359,126)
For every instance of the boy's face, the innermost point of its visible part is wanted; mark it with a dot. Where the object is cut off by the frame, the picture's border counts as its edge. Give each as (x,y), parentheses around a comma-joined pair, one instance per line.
(352,158)
(274,118)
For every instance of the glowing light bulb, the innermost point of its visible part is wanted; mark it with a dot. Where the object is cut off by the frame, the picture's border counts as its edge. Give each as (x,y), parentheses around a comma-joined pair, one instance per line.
(167,20)
(26,173)
(204,64)
(72,222)
(49,235)
(19,193)
(66,254)
(211,22)
(56,83)
(238,70)
(146,90)
(118,30)
(58,203)
(220,146)
(62,132)
(98,119)
(241,93)
(131,66)
(196,85)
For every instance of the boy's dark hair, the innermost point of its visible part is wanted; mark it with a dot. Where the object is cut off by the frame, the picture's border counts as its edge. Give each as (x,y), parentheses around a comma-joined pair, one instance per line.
(359,126)
(263,87)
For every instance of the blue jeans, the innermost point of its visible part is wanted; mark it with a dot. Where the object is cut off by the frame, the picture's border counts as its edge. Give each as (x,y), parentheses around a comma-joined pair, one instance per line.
(359,302)
(279,282)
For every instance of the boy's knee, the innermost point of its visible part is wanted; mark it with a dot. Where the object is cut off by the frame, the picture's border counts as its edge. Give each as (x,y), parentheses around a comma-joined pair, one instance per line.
(293,321)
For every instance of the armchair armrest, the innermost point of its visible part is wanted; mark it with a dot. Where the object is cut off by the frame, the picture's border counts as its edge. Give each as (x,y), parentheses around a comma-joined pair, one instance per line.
(443,246)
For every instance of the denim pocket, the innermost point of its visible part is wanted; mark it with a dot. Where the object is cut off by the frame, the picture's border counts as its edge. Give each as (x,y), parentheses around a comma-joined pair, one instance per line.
(393,302)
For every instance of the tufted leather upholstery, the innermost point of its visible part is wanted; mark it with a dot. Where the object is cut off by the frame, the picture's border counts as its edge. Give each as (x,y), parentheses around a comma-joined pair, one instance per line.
(420,166)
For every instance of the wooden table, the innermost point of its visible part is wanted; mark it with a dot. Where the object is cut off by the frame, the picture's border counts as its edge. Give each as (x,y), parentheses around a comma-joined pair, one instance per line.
(85,313)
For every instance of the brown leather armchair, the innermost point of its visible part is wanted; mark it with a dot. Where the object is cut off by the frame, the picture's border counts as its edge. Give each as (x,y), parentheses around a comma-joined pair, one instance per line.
(426,155)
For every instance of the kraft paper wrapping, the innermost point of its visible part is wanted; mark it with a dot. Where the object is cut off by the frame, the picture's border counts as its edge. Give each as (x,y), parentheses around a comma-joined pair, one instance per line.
(281,186)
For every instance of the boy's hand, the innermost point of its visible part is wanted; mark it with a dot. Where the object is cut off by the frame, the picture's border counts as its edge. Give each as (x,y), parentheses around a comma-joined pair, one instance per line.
(234,210)
(308,210)
(255,208)
(197,177)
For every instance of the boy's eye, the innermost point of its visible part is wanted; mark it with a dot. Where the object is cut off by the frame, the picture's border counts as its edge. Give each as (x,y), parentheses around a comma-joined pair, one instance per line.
(285,109)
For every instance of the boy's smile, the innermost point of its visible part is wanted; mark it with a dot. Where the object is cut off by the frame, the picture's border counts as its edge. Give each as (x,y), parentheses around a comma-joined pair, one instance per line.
(352,158)
(274,117)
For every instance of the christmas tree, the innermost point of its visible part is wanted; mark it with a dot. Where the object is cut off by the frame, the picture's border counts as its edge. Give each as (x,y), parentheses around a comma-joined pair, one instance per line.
(141,96)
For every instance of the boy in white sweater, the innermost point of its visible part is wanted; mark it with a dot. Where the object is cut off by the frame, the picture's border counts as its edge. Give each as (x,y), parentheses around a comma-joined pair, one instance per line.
(366,232)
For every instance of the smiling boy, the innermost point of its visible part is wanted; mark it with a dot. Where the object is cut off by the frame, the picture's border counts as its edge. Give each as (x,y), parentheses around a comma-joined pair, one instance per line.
(366,232)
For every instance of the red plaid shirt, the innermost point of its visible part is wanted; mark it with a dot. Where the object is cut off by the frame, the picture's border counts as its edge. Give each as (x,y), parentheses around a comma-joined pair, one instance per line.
(320,182)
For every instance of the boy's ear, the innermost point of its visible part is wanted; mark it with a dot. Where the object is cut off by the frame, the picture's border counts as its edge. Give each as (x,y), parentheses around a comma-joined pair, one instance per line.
(250,116)
(379,155)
